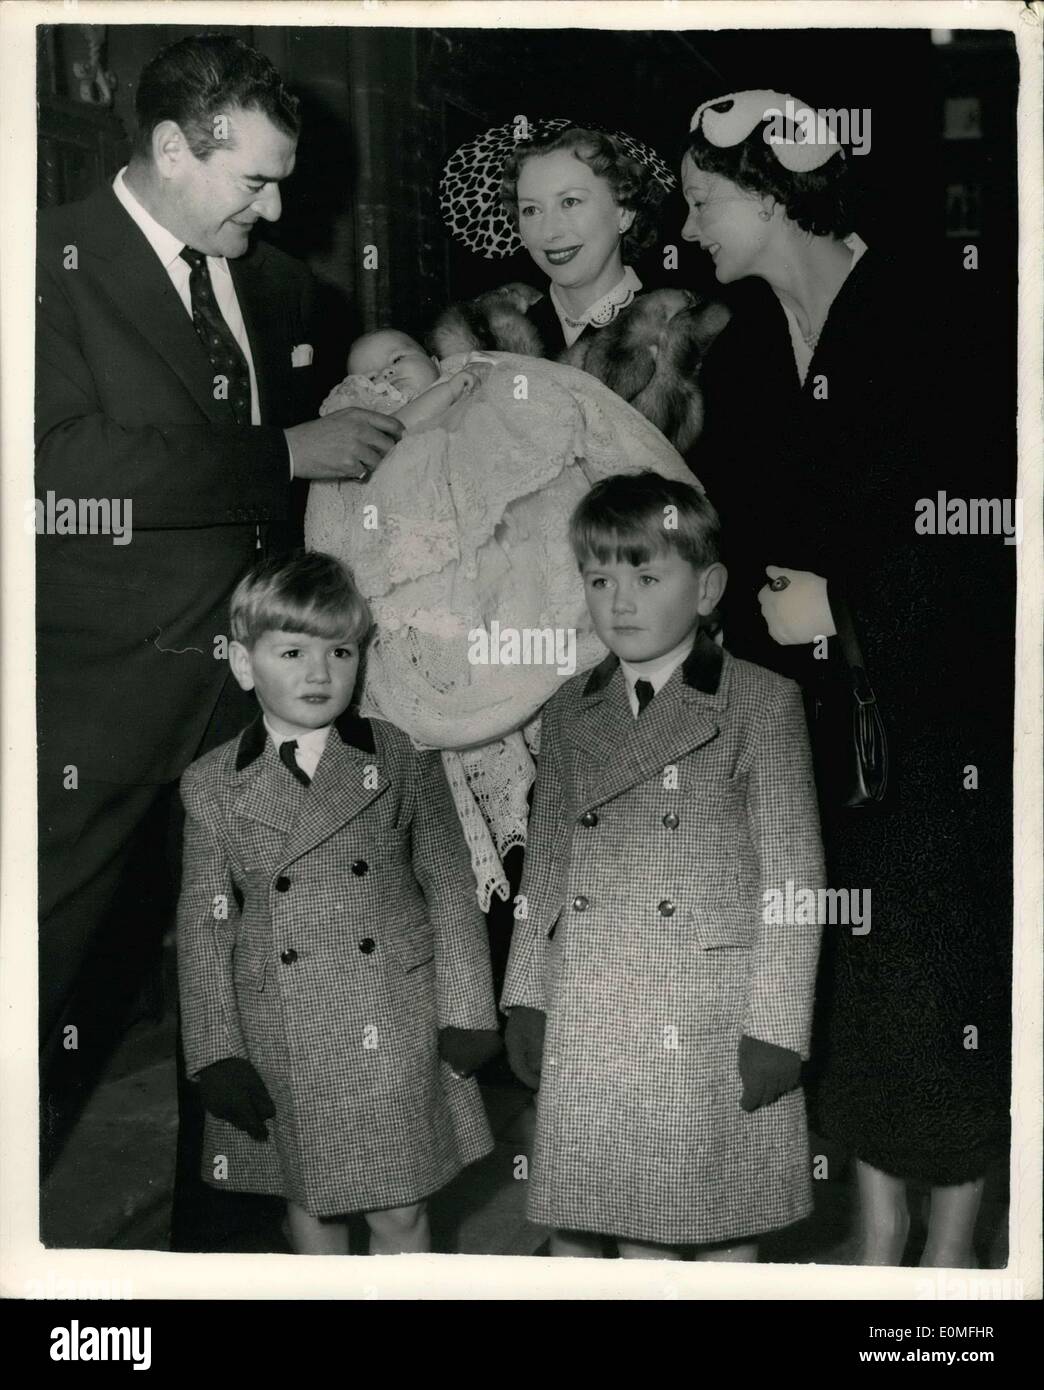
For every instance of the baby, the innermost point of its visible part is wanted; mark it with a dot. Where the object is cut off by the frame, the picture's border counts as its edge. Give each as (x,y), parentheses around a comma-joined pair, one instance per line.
(459,542)
(388,371)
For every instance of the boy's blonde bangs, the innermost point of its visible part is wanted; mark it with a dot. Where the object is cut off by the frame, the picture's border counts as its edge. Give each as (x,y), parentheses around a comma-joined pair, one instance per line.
(307,592)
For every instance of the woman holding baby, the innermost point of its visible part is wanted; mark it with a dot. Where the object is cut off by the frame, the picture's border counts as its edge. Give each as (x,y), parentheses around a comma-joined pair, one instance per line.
(465,523)
(833,407)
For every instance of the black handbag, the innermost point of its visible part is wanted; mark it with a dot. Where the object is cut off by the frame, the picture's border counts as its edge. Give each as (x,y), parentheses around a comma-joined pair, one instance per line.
(849,742)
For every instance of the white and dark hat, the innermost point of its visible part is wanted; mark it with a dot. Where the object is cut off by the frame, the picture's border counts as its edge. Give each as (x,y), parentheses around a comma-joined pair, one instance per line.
(805,138)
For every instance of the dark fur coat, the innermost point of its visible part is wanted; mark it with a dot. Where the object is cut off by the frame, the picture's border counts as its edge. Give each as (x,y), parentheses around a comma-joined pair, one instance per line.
(650,354)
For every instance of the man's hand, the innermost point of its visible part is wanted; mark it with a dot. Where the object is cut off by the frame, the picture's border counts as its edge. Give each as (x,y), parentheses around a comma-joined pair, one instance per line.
(232,1090)
(524,1037)
(348,443)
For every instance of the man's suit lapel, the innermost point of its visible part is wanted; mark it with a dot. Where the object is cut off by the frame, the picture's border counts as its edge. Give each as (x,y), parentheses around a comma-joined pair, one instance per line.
(131,274)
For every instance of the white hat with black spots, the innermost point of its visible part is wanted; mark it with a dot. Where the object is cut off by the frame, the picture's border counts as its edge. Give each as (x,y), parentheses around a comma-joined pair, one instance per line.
(469,192)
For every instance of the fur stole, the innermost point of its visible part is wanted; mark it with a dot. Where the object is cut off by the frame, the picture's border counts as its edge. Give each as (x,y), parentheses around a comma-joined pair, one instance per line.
(650,354)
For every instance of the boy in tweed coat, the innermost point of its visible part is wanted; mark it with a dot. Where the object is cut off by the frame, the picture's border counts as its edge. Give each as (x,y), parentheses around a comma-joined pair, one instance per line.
(330,948)
(674,798)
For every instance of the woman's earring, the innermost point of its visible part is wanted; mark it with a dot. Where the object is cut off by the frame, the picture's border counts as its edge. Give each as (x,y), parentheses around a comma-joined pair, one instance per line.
(765,215)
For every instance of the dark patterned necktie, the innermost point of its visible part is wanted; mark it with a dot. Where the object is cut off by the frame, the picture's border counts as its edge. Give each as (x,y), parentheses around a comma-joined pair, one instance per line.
(225,354)
(643,692)
(288,757)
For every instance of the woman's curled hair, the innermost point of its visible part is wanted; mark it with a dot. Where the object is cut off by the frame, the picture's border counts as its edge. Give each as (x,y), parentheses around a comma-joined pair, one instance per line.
(633,185)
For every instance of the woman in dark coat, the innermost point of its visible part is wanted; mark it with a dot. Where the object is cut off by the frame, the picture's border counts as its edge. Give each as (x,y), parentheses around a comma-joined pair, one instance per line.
(834,410)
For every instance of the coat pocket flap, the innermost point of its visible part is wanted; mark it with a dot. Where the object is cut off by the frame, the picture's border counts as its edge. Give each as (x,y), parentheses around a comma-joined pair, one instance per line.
(249,969)
(714,927)
(414,945)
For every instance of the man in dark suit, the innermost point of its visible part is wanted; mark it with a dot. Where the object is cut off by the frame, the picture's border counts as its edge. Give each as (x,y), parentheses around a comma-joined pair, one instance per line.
(174,371)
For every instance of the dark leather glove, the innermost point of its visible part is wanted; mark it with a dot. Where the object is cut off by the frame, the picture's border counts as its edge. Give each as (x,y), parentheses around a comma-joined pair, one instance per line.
(232,1090)
(467,1049)
(767,1072)
(524,1036)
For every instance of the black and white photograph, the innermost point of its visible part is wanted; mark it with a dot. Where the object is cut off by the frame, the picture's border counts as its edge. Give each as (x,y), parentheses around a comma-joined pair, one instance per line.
(528,527)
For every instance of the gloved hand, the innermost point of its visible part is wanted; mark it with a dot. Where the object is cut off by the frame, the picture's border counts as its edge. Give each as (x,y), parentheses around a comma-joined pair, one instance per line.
(467,1049)
(232,1090)
(767,1072)
(799,611)
(524,1036)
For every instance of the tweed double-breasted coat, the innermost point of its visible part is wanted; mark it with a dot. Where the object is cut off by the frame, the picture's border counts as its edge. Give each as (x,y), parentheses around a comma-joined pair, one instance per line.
(652,845)
(326,933)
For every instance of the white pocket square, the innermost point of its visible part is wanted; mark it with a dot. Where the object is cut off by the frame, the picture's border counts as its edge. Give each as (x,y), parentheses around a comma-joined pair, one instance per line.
(301,355)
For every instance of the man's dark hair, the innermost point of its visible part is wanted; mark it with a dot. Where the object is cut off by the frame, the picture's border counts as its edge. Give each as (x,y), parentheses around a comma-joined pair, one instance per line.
(202,77)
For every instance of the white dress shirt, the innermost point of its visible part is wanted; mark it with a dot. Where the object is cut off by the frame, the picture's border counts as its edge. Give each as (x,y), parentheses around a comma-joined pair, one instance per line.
(658,671)
(310,745)
(168,248)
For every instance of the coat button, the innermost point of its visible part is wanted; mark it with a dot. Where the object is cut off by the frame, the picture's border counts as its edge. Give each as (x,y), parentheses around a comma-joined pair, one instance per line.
(671,821)
(580,903)
(367,944)
(666,908)
(288,956)
(359,867)
(282,884)
(589,819)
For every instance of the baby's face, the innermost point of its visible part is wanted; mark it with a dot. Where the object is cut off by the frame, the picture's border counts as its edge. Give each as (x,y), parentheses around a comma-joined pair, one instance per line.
(394,357)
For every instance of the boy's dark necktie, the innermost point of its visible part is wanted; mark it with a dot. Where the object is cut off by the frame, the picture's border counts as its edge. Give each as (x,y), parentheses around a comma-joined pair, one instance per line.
(288,757)
(226,356)
(644,692)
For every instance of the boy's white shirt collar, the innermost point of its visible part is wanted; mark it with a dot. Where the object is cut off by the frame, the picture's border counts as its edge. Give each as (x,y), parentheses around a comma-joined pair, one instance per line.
(658,671)
(310,745)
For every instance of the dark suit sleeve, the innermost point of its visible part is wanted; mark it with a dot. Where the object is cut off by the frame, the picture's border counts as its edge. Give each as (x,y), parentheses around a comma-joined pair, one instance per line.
(176,475)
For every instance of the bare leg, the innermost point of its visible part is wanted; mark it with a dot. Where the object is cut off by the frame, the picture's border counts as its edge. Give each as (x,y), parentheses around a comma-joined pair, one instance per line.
(884,1216)
(645,1250)
(951,1226)
(400,1230)
(310,1236)
(577,1244)
(745,1253)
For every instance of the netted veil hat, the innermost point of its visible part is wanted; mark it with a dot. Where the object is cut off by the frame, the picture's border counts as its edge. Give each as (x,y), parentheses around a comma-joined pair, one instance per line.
(469,191)
(800,137)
